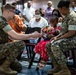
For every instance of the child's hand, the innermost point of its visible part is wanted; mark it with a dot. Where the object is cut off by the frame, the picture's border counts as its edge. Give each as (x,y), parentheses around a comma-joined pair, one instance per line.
(53,38)
(50,36)
(44,30)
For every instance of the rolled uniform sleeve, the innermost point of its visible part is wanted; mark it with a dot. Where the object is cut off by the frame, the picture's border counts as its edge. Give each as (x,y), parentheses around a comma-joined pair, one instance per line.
(7,28)
(72,24)
(72,27)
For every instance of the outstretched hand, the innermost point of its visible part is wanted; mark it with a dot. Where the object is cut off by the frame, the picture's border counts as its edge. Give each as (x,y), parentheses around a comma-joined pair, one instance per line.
(36,34)
(53,39)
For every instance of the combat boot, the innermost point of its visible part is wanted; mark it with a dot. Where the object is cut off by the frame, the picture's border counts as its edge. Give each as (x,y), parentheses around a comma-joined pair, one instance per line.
(4,68)
(16,65)
(64,70)
(55,69)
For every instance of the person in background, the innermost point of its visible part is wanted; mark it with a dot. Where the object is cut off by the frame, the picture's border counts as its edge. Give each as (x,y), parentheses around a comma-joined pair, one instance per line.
(28,13)
(48,11)
(17,24)
(64,41)
(73,6)
(57,13)
(51,31)
(42,12)
(9,50)
(16,11)
(60,21)
(37,21)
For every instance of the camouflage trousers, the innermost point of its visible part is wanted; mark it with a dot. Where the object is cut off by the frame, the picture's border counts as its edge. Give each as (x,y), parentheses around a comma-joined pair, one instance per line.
(56,49)
(11,50)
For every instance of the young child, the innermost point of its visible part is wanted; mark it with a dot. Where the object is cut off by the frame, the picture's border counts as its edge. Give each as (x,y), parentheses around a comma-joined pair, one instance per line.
(51,31)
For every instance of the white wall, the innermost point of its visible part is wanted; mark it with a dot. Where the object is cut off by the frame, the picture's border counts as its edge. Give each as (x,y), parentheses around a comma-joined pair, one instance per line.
(43,3)
(55,3)
(39,4)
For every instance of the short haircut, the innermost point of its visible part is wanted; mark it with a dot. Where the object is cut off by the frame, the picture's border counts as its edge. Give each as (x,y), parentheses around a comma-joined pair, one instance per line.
(14,3)
(8,7)
(63,3)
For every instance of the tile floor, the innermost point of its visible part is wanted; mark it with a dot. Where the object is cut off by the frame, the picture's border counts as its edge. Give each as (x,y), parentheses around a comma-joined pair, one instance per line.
(33,71)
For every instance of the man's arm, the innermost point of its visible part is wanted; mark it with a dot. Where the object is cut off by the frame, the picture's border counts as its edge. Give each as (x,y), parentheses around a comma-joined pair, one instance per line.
(17,36)
(70,33)
(67,35)
(71,30)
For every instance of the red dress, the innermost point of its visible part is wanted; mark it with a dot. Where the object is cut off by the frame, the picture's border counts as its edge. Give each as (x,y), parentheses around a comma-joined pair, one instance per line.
(40,48)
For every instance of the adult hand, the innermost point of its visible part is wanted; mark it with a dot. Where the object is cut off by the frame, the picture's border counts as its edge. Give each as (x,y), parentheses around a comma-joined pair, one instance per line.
(53,39)
(36,34)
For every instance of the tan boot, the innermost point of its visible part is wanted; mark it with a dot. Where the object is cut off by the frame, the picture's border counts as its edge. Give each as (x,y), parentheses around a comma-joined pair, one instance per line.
(56,68)
(4,68)
(64,71)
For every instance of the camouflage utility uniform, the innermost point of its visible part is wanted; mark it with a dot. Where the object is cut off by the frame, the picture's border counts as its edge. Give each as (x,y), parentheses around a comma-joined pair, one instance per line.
(8,50)
(55,50)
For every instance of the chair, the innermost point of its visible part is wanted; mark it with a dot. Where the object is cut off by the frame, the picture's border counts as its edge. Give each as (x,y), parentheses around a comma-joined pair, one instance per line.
(73,67)
(30,46)
(32,60)
(74,56)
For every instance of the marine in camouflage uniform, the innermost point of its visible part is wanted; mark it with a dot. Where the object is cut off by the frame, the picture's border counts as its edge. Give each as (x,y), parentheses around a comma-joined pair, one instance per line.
(56,49)
(8,50)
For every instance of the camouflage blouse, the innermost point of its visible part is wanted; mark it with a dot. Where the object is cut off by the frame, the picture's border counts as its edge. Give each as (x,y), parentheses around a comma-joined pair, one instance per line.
(69,23)
(3,35)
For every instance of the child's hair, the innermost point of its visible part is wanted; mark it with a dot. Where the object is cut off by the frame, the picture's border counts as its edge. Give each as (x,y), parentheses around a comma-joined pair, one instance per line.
(14,3)
(53,17)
